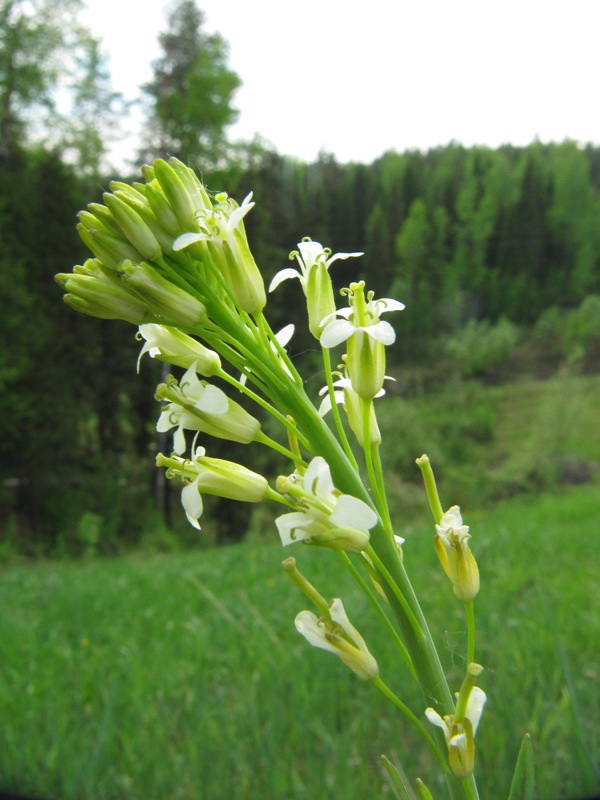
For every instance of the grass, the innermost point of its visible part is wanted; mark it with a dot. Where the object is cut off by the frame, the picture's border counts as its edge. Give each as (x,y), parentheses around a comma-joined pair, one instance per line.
(182,677)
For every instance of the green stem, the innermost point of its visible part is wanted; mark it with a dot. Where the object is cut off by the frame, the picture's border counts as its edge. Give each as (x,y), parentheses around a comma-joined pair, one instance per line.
(431,488)
(335,410)
(264,404)
(413,719)
(379,610)
(470,615)
(266,440)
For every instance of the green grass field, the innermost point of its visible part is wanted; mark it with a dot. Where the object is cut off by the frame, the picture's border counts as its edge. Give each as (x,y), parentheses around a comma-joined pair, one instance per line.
(181,677)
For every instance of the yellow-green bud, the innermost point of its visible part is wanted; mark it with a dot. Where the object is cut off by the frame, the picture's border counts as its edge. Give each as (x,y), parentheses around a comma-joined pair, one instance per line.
(89,295)
(108,248)
(320,301)
(163,298)
(134,228)
(176,193)
(456,558)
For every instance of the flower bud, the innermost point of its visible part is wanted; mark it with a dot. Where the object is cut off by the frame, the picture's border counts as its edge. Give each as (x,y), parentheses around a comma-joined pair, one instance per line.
(108,248)
(90,295)
(320,301)
(456,558)
(164,298)
(134,228)
(177,348)
(177,194)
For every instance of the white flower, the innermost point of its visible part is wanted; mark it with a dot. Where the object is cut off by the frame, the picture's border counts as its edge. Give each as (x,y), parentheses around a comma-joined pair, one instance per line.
(345,384)
(216,223)
(212,476)
(177,348)
(310,255)
(201,396)
(327,517)
(338,330)
(460,735)
(337,635)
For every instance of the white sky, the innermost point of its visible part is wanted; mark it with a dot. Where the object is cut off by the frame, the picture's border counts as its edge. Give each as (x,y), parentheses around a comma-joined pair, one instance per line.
(357,79)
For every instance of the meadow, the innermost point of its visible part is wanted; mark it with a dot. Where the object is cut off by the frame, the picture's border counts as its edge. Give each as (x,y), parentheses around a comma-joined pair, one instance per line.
(181,676)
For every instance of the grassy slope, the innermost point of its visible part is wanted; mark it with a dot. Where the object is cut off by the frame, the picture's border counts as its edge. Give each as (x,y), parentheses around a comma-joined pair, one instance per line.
(182,677)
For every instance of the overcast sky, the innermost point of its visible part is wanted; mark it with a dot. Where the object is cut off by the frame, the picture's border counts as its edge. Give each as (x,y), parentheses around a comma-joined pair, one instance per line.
(357,79)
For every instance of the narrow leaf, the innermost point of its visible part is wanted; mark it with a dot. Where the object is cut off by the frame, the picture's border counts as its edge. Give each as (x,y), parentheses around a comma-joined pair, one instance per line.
(522,782)
(399,784)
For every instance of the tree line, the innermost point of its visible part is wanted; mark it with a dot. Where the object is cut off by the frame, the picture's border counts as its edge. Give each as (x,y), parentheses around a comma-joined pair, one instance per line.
(458,234)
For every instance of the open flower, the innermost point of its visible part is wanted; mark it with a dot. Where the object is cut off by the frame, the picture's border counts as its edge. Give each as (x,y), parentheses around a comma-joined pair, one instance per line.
(198,406)
(456,558)
(310,255)
(325,516)
(314,261)
(337,635)
(366,336)
(205,475)
(221,228)
(460,735)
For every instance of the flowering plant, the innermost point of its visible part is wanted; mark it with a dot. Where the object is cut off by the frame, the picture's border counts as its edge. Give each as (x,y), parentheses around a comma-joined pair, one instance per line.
(176,262)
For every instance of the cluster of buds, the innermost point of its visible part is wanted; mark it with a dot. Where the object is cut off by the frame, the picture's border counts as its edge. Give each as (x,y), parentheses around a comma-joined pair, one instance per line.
(138,273)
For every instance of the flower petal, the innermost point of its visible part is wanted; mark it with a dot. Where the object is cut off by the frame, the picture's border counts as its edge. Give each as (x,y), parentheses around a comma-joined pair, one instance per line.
(317,478)
(314,631)
(179,440)
(283,275)
(435,719)
(475,706)
(293,527)
(350,512)
(285,334)
(191,500)
(382,331)
(212,400)
(337,332)
(186,239)
(343,256)
(386,304)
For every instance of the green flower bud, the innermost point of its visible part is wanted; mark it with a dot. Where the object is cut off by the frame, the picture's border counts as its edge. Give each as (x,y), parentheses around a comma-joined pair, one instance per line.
(108,248)
(176,193)
(103,299)
(163,298)
(456,558)
(161,208)
(134,228)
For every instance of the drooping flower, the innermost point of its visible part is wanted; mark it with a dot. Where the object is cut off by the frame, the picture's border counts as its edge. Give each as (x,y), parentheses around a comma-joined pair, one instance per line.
(325,516)
(214,476)
(366,336)
(177,348)
(199,406)
(460,735)
(337,635)
(456,558)
(314,261)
